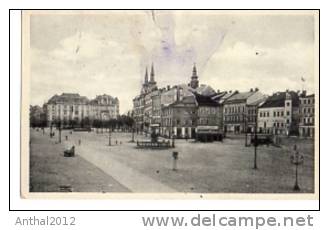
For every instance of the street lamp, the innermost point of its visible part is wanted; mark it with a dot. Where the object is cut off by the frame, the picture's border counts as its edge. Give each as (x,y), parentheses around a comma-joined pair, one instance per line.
(296,159)
(245,129)
(110,138)
(255,141)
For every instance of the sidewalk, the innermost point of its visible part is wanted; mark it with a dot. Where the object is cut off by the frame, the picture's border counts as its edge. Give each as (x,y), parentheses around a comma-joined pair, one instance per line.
(130,178)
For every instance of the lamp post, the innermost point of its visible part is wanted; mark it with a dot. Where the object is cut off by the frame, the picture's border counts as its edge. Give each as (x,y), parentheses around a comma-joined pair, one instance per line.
(245,129)
(59,131)
(110,137)
(51,130)
(296,159)
(255,141)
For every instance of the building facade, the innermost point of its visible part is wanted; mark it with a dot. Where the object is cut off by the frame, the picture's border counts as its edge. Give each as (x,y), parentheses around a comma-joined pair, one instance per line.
(69,108)
(209,127)
(279,114)
(307,115)
(239,114)
(145,114)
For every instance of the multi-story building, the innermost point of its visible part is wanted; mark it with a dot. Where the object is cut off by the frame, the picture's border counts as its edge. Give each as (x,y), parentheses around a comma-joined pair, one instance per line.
(307,115)
(179,118)
(144,113)
(279,114)
(220,98)
(103,107)
(179,106)
(236,108)
(73,108)
(209,126)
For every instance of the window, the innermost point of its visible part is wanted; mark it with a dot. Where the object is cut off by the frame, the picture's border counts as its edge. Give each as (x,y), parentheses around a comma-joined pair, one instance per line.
(288,113)
(288,104)
(288,121)
(268,114)
(274,114)
(281,113)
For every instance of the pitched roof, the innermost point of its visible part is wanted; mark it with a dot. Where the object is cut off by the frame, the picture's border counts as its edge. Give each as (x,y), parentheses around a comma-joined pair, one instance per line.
(205,100)
(240,96)
(278,100)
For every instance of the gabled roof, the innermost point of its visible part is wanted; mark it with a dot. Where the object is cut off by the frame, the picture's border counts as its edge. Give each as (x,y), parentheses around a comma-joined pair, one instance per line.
(278,100)
(185,100)
(240,97)
(205,100)
(307,96)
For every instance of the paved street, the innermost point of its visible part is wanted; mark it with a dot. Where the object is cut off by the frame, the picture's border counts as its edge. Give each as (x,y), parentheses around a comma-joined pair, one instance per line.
(202,167)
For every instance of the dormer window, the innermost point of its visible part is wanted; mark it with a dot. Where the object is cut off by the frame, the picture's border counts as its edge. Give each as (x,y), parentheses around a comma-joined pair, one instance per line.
(287,104)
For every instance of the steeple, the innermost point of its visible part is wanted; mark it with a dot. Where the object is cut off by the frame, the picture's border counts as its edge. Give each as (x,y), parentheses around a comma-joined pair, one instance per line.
(194,72)
(194,79)
(152,74)
(146,80)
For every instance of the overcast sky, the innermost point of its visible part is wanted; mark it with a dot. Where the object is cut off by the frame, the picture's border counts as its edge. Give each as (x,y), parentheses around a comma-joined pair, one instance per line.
(107,53)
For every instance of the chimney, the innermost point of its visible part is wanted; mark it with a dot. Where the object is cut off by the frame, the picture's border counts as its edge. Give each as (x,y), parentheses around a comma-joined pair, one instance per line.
(168,87)
(218,91)
(251,90)
(256,89)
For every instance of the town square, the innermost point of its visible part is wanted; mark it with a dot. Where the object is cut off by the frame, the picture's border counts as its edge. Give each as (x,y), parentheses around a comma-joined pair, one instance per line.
(172,102)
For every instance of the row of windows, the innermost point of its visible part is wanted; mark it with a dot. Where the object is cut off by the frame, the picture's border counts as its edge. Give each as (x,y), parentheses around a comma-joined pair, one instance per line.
(275,114)
(308,120)
(307,101)
(278,125)
(207,110)
(307,110)
(236,109)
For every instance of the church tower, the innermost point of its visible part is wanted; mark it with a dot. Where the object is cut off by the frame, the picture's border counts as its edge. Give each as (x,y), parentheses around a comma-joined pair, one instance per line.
(152,85)
(146,78)
(194,79)
(152,81)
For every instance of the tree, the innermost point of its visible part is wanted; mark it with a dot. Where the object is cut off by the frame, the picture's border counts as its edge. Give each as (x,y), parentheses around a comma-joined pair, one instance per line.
(85,122)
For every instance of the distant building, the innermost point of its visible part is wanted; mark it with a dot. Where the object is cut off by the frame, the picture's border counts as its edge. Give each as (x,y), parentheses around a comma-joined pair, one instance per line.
(209,115)
(70,108)
(145,115)
(220,98)
(179,118)
(279,114)
(179,108)
(104,107)
(239,111)
(307,115)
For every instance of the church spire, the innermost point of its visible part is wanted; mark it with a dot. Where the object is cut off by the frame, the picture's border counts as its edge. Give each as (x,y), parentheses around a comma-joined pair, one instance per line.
(194,72)
(194,79)
(146,80)
(152,74)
